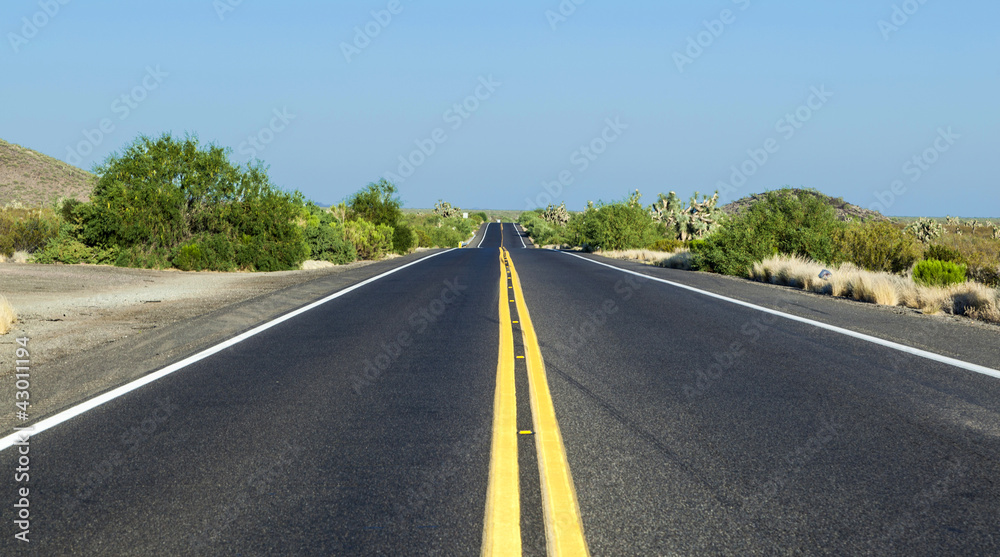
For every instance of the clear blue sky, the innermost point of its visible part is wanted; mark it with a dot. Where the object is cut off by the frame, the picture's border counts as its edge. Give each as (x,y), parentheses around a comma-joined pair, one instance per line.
(193,66)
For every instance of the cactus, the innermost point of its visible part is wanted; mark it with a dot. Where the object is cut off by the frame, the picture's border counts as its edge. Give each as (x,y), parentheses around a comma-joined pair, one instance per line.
(996,231)
(445,210)
(694,221)
(953,221)
(925,230)
(974,224)
(558,216)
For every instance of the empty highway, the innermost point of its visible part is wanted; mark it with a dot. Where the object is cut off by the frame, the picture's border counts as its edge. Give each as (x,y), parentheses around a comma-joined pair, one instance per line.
(505,400)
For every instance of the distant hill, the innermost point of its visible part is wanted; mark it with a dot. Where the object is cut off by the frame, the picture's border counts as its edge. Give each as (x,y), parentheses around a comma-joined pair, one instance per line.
(33,179)
(843,209)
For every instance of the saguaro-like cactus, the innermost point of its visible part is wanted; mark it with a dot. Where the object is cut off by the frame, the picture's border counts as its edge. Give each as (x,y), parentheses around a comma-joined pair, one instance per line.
(925,230)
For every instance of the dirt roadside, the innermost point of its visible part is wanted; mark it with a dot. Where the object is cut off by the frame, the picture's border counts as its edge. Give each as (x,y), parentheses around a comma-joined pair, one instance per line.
(92,328)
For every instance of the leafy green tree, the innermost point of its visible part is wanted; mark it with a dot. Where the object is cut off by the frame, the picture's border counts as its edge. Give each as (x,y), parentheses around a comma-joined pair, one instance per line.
(377,203)
(161,194)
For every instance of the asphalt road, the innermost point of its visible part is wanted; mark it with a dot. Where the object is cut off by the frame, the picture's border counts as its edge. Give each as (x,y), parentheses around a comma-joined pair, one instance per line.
(691,426)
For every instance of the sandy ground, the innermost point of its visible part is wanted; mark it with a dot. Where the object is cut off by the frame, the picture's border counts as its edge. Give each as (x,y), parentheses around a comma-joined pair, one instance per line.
(73,308)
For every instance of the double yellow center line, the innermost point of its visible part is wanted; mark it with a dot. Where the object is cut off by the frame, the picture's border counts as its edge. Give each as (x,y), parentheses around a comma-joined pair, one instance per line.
(561,512)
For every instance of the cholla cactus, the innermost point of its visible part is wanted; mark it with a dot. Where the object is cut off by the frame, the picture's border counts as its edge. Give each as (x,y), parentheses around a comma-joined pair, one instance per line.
(695,221)
(953,221)
(925,230)
(558,216)
(974,224)
(633,200)
(996,231)
(445,210)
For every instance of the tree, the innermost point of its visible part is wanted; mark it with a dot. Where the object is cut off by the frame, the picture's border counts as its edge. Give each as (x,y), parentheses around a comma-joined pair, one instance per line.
(377,203)
(162,194)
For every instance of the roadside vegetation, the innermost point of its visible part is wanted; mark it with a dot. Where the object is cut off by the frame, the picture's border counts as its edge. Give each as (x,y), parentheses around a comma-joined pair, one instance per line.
(789,237)
(175,203)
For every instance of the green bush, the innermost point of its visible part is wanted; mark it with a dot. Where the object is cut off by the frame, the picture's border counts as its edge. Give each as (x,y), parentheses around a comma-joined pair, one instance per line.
(65,248)
(27,229)
(208,253)
(376,203)
(666,244)
(784,221)
(424,239)
(371,241)
(481,216)
(615,226)
(932,272)
(404,239)
(943,253)
(877,246)
(159,194)
(325,237)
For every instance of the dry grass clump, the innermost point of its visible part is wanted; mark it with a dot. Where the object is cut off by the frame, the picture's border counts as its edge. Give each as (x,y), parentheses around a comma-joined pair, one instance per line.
(311,264)
(644,255)
(970,299)
(678,259)
(7,315)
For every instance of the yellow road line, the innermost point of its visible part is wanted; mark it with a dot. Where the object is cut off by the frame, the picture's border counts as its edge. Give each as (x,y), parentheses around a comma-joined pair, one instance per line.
(502,524)
(563,522)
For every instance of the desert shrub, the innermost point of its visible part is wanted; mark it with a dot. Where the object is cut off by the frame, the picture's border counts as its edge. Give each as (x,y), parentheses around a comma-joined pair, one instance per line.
(792,222)
(404,238)
(324,235)
(541,231)
(980,253)
(423,239)
(159,194)
(212,252)
(65,248)
(943,253)
(877,246)
(371,241)
(932,272)
(376,203)
(616,226)
(666,244)
(27,230)
(481,216)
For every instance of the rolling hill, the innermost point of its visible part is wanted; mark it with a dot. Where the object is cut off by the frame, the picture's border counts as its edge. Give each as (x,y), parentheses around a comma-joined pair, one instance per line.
(31,178)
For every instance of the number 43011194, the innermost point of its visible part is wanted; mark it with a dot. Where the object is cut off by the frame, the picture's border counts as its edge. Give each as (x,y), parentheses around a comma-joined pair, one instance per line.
(23,375)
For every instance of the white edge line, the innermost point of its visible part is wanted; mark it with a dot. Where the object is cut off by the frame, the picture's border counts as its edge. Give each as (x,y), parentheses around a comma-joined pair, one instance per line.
(487,229)
(519,235)
(875,340)
(72,412)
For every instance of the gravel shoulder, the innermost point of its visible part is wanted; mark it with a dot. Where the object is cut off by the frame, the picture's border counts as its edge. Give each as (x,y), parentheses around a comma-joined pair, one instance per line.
(92,328)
